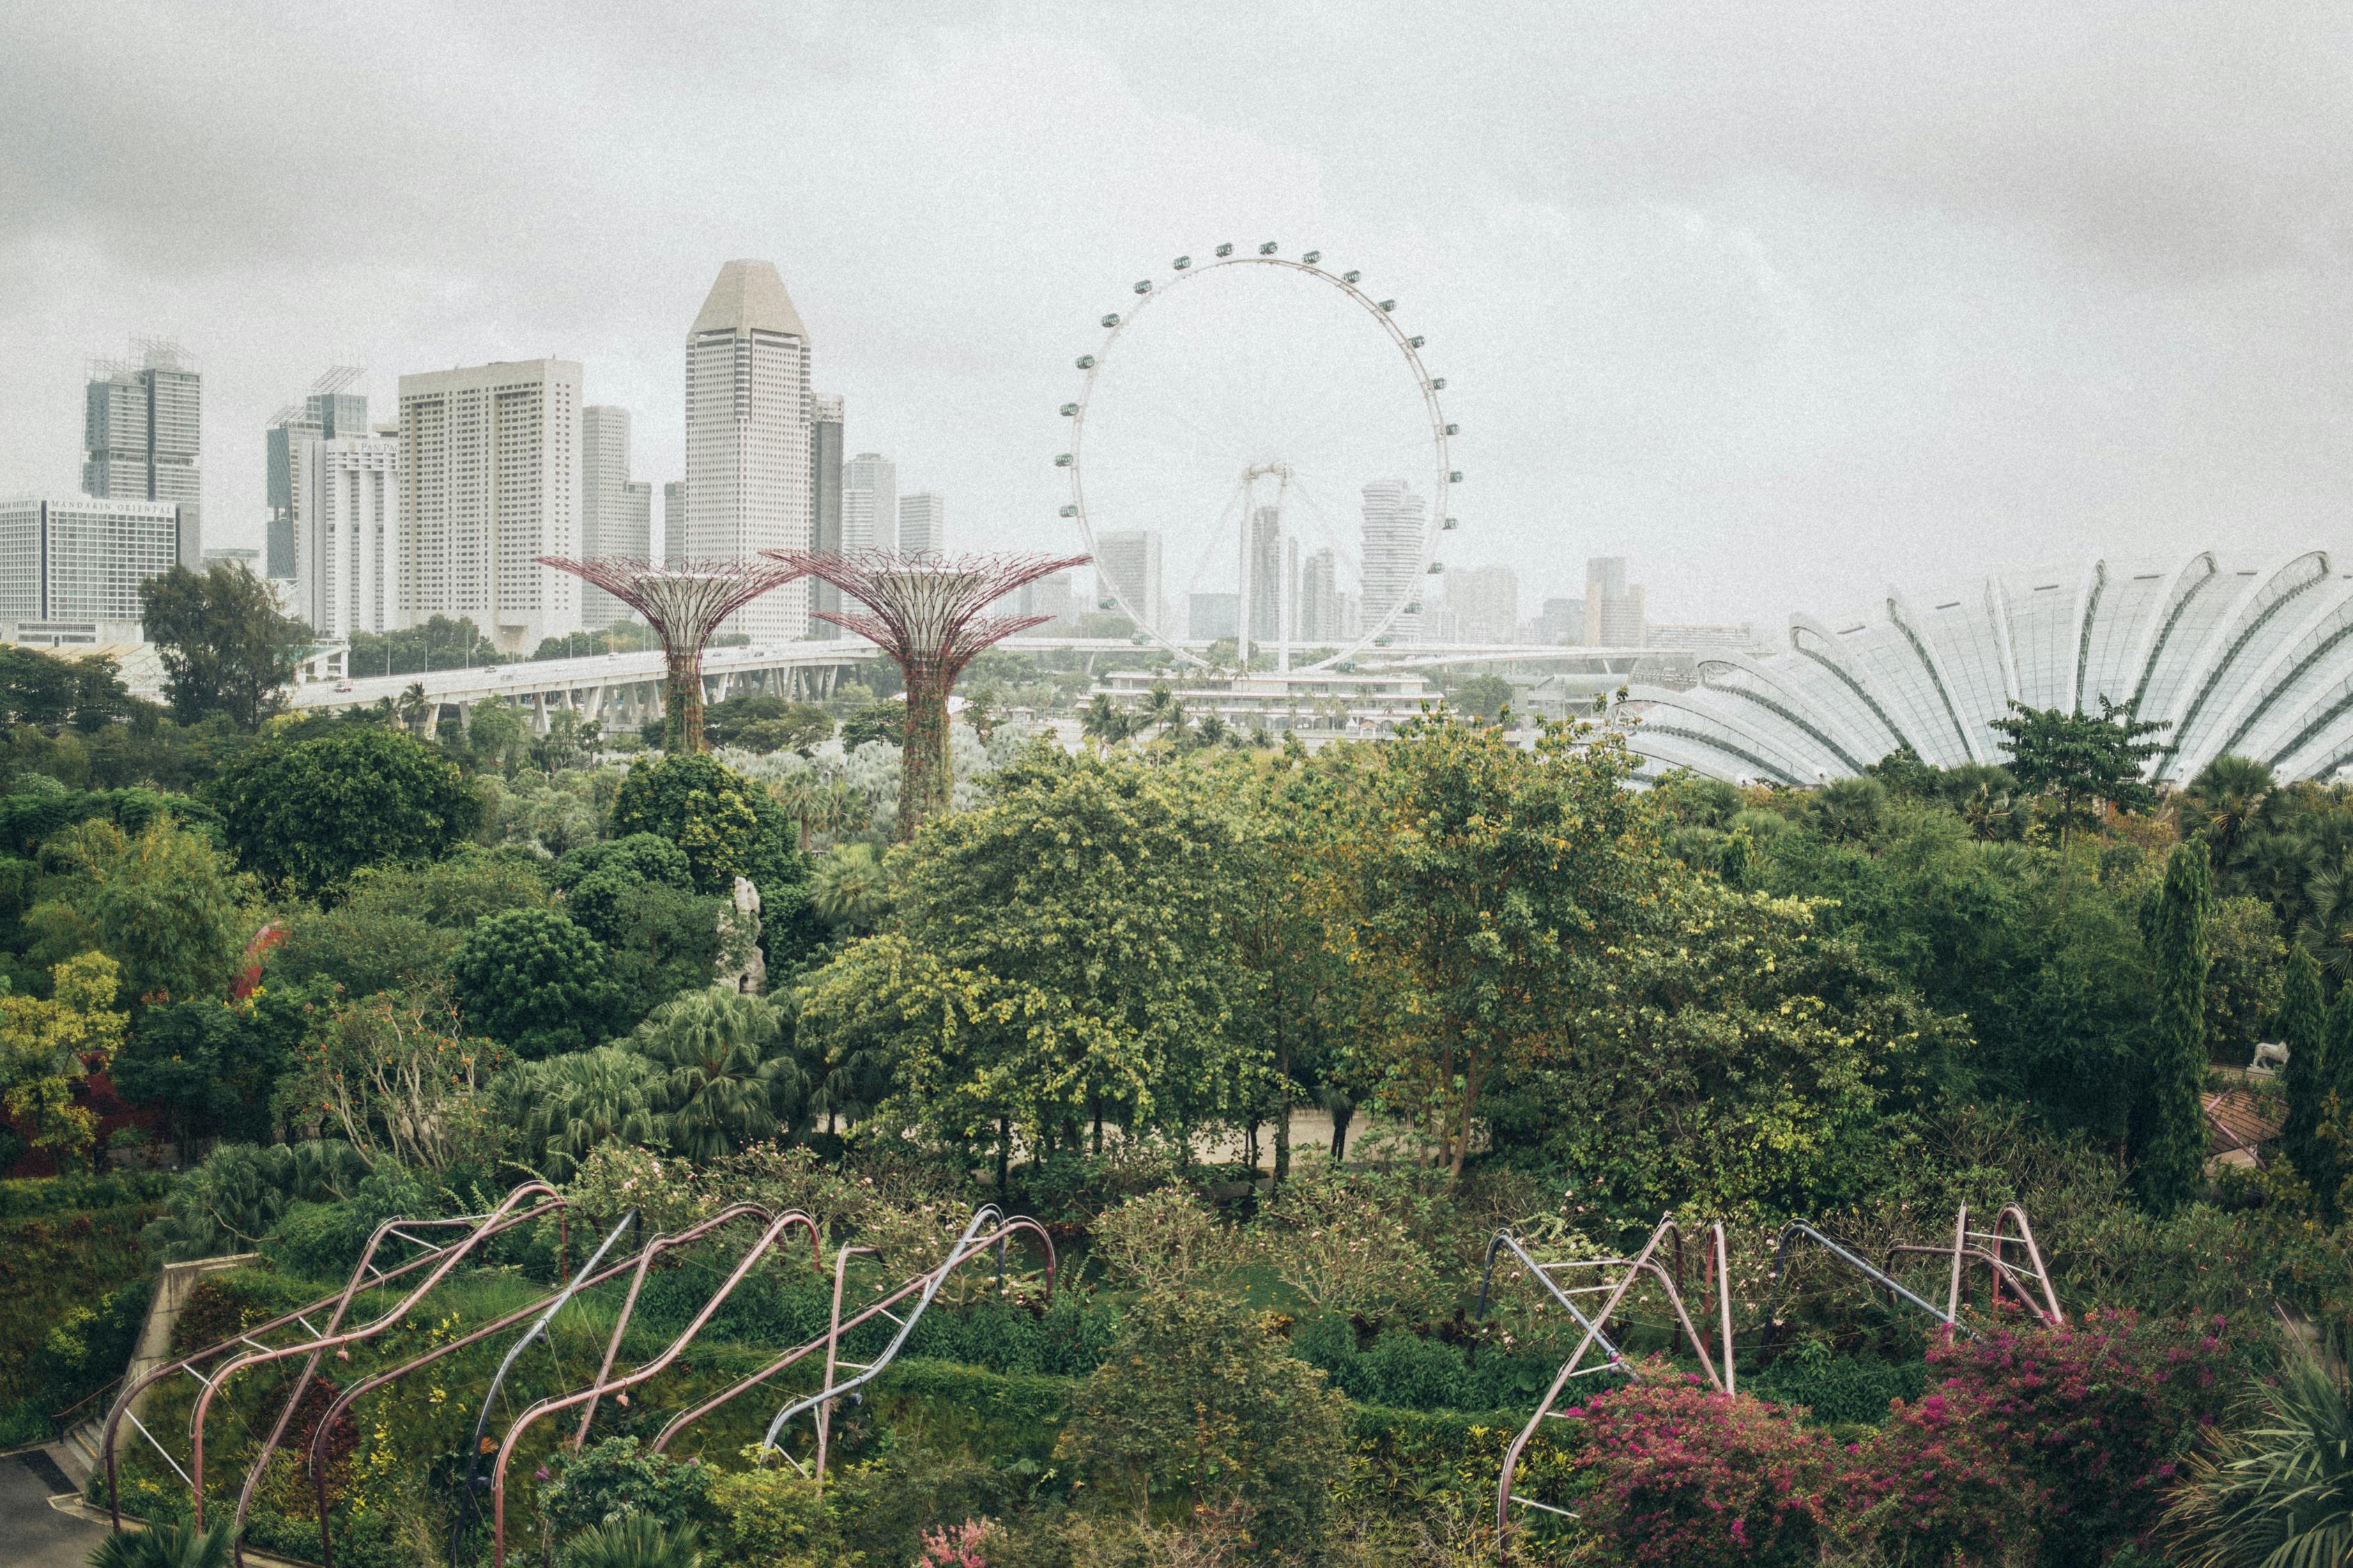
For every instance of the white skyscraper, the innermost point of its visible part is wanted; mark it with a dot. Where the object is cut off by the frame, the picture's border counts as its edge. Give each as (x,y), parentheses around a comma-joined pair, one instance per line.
(748,432)
(825,494)
(328,411)
(490,479)
(1129,560)
(869,502)
(608,521)
(674,522)
(922,521)
(1395,521)
(141,421)
(1486,603)
(1614,613)
(71,567)
(347,535)
(1319,599)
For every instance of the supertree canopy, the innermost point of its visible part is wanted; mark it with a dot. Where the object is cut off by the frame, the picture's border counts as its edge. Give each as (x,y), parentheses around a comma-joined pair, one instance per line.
(926,612)
(684,602)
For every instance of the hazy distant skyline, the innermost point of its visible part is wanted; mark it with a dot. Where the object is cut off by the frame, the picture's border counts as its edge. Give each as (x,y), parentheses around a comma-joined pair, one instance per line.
(1782,303)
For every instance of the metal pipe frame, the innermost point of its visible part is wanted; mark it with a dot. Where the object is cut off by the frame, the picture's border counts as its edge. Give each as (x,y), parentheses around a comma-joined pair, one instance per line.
(504,1218)
(1641,1264)
(1799,1229)
(965,1247)
(2024,1282)
(686,1418)
(590,1276)
(606,1382)
(189,1362)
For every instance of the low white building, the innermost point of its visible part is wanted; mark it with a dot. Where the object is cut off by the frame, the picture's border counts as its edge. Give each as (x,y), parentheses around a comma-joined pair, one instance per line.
(71,567)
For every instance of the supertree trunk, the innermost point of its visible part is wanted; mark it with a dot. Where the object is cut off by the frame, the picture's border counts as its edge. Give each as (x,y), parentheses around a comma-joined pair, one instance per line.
(927,614)
(685,603)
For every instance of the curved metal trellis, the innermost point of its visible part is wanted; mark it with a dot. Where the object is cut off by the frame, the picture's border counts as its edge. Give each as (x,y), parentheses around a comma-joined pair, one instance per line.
(1644,1264)
(364,1275)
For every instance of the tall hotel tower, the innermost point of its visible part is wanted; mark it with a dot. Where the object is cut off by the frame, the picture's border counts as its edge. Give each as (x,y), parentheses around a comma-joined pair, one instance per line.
(489,481)
(749,471)
(1394,526)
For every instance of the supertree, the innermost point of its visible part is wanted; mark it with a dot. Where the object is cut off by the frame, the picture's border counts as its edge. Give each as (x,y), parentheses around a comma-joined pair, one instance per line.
(684,602)
(925,611)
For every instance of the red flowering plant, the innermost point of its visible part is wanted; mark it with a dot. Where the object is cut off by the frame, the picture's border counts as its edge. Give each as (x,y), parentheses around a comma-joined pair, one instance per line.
(2068,1437)
(1672,1472)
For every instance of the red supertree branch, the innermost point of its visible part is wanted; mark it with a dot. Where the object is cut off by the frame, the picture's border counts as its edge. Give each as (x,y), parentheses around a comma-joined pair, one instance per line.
(926,612)
(684,602)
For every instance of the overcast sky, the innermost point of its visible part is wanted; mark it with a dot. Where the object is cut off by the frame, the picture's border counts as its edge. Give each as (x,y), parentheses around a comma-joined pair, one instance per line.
(1786,303)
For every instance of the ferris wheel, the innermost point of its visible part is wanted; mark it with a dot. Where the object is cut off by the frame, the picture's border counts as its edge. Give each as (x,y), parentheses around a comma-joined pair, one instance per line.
(1265,428)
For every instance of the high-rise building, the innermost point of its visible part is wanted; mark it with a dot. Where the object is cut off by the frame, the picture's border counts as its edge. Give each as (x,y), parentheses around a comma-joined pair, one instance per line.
(141,421)
(1211,616)
(1049,595)
(825,494)
(635,538)
(1613,611)
(327,412)
(1486,602)
(1320,619)
(1562,623)
(923,522)
(70,566)
(749,475)
(1127,562)
(347,546)
(1394,522)
(490,479)
(869,502)
(1274,572)
(673,520)
(608,521)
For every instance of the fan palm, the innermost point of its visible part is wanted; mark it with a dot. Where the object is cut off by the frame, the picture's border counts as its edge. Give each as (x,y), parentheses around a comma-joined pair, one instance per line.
(2277,1492)
(1105,723)
(634,1540)
(724,1074)
(165,1546)
(2327,930)
(851,887)
(2223,799)
(569,1105)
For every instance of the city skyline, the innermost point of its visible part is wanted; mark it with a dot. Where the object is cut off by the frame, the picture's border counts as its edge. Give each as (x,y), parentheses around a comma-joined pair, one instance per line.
(1851,310)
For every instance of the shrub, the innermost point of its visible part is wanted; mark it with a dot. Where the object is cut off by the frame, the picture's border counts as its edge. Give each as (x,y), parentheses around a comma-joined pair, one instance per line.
(1677,1474)
(1158,1240)
(1197,1397)
(611,1481)
(774,1517)
(1347,1242)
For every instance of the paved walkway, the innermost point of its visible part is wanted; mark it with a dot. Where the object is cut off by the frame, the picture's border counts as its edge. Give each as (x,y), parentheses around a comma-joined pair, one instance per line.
(32,1533)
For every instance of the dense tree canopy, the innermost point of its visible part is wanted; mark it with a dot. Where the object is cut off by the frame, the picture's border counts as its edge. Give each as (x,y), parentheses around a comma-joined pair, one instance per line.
(534,980)
(311,810)
(226,647)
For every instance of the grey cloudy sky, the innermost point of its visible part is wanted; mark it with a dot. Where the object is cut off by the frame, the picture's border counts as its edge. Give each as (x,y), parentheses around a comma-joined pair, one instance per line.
(1786,302)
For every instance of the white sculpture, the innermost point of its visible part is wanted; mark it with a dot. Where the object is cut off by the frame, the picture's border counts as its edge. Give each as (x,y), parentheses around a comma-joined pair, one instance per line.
(740,964)
(2269,1054)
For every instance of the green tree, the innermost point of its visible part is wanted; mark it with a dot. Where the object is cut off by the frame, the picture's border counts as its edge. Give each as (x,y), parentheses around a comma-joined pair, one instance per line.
(1198,1399)
(311,811)
(2080,761)
(725,1071)
(2168,1132)
(49,1046)
(162,904)
(43,688)
(2303,1024)
(850,888)
(1490,883)
(2223,800)
(566,1107)
(1483,697)
(534,980)
(225,646)
(875,722)
(212,1068)
(726,826)
(1063,946)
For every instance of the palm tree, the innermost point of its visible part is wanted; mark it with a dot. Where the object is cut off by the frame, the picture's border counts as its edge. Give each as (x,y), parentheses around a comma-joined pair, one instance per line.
(412,706)
(725,1074)
(2278,1489)
(1163,708)
(2328,930)
(568,1106)
(634,1540)
(1105,723)
(2223,799)
(851,887)
(165,1546)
